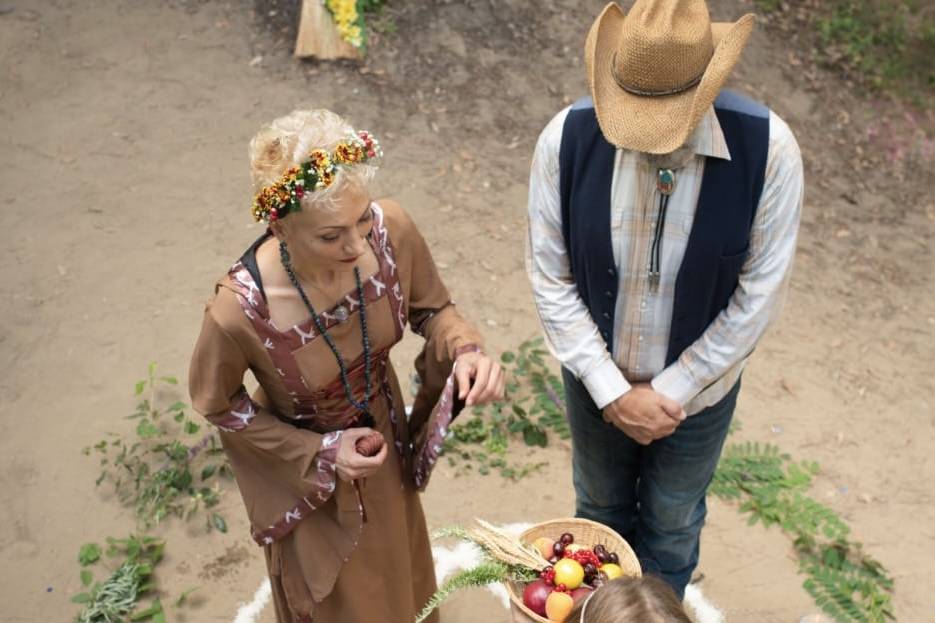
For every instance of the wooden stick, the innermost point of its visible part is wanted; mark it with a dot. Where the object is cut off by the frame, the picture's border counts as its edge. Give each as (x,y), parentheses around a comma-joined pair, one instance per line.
(318,35)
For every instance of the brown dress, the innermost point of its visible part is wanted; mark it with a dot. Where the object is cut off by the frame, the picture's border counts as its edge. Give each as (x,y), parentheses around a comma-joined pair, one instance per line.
(337,552)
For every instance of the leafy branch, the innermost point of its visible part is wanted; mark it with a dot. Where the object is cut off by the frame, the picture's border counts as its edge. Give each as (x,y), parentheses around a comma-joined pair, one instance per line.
(845,583)
(496,551)
(111,600)
(156,471)
(534,405)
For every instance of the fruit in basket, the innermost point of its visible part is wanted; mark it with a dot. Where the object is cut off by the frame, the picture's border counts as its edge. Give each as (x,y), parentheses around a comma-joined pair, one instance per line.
(558,605)
(611,570)
(558,548)
(574,547)
(580,593)
(569,572)
(543,545)
(567,538)
(584,557)
(535,595)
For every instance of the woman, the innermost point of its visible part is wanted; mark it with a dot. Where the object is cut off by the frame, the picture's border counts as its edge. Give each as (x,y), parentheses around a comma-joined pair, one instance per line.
(312,310)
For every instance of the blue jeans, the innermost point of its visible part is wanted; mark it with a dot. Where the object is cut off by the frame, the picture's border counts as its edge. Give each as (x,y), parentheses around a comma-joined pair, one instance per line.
(653,496)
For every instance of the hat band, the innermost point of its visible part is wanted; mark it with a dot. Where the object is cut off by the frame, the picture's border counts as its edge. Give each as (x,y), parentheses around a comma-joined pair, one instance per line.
(654,93)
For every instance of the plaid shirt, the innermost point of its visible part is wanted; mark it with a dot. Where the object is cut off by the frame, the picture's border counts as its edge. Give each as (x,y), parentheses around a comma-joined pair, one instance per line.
(705,371)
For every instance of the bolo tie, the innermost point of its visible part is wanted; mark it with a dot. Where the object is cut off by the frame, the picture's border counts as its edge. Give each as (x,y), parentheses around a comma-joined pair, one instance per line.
(665,184)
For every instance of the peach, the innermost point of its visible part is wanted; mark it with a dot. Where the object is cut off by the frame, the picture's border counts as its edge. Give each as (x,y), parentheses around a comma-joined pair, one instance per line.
(558,606)
(544,545)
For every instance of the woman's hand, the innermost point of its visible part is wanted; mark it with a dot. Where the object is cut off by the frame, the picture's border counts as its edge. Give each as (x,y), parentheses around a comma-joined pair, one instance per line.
(352,465)
(480,379)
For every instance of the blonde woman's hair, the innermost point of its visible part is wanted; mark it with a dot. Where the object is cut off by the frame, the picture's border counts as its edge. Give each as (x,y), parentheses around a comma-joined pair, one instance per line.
(287,141)
(647,599)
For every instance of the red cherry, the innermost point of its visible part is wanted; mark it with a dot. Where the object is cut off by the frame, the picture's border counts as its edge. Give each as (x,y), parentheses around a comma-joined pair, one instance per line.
(299,191)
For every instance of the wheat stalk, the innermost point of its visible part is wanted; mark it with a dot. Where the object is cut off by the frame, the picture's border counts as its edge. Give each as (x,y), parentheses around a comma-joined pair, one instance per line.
(504,547)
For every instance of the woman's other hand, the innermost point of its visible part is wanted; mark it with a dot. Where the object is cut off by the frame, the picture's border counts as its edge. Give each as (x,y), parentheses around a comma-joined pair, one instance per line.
(480,379)
(352,465)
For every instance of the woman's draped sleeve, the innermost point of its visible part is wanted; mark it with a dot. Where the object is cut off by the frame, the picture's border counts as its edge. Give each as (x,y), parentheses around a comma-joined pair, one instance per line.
(291,469)
(433,315)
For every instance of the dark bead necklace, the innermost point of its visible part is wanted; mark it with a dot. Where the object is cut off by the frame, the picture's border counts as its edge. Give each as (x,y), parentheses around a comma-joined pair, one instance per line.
(363,406)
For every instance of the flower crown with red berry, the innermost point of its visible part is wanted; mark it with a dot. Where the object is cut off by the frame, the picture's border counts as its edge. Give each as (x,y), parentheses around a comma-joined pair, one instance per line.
(316,173)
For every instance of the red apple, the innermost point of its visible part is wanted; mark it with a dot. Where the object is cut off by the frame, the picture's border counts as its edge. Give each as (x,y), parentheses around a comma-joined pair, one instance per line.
(535,595)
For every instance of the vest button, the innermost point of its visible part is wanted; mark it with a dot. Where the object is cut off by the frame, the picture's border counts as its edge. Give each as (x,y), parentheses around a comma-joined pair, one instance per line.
(611,272)
(606,315)
(609,294)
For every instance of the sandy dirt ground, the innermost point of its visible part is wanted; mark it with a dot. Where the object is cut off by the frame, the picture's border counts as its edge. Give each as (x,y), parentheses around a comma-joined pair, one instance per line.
(124,194)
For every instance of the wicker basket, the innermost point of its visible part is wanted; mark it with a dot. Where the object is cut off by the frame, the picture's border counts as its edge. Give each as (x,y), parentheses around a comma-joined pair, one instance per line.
(586,532)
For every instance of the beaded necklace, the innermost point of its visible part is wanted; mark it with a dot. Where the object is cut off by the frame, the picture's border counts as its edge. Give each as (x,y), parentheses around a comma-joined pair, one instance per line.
(363,406)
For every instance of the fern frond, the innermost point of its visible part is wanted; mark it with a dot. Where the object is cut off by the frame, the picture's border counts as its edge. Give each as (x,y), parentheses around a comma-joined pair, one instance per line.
(481,575)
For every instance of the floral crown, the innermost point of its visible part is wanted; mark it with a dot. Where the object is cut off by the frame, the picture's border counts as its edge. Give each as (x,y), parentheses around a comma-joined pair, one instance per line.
(315,173)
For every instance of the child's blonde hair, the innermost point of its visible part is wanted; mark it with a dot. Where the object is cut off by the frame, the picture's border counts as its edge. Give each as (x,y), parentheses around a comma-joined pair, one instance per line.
(645,600)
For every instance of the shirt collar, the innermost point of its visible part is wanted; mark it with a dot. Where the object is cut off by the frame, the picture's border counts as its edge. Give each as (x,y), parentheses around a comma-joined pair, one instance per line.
(708,137)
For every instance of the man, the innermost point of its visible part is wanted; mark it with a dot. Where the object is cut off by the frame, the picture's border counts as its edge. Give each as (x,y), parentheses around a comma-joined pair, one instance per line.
(663,215)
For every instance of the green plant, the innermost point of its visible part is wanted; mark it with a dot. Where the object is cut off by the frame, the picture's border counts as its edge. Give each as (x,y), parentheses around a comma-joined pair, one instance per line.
(887,45)
(115,599)
(489,570)
(533,406)
(847,584)
(483,574)
(160,472)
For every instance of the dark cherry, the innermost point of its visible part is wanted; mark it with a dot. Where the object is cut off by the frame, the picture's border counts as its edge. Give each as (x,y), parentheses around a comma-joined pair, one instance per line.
(567,538)
(553,560)
(600,548)
(604,557)
(614,558)
(558,548)
(590,569)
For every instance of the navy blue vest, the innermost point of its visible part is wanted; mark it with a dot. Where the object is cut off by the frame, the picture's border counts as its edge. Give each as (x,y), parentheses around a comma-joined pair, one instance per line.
(720,235)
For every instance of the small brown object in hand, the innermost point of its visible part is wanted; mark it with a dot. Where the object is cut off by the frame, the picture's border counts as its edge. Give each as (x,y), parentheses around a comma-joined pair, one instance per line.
(370,445)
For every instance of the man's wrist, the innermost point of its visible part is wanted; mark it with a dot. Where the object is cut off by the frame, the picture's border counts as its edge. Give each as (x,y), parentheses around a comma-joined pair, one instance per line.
(605,383)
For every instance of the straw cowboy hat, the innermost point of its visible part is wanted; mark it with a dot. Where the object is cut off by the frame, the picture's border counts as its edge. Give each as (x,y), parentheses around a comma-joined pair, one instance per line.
(654,71)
